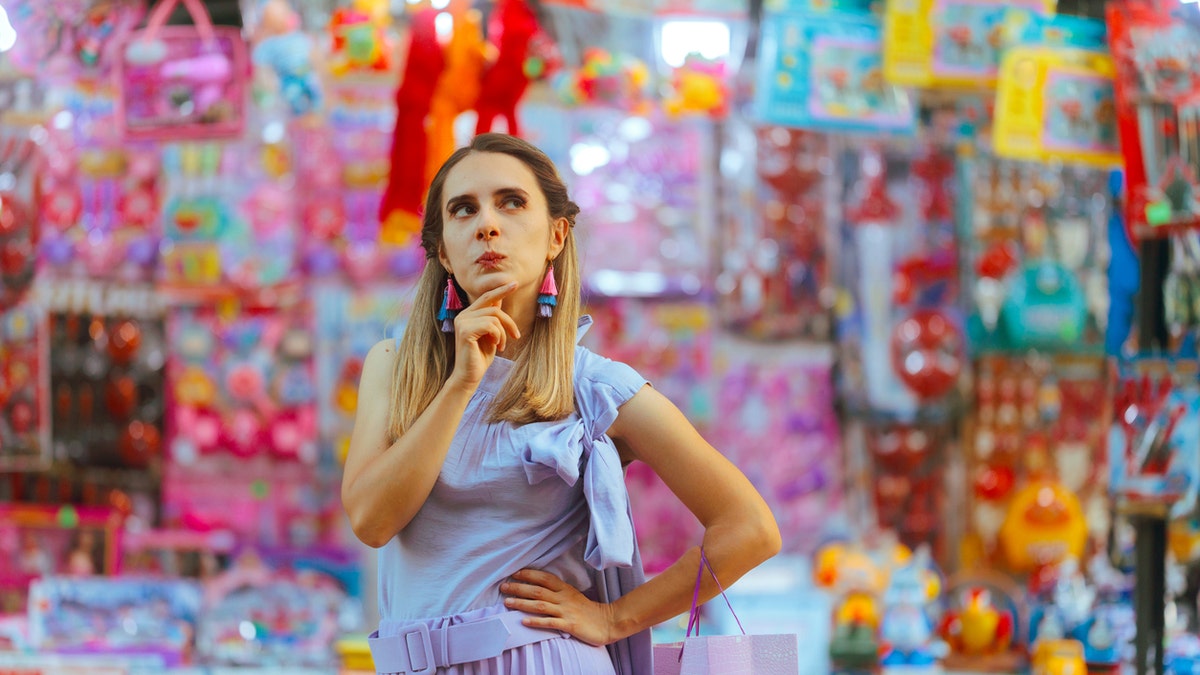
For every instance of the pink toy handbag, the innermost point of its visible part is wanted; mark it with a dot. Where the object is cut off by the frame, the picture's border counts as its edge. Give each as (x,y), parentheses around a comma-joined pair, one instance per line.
(726,654)
(182,82)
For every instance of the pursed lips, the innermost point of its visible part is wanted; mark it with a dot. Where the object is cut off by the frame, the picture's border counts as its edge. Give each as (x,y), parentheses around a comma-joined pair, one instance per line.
(489,259)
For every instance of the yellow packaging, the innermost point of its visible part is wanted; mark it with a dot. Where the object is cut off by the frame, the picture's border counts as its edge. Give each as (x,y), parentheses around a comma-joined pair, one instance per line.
(1056,103)
(953,44)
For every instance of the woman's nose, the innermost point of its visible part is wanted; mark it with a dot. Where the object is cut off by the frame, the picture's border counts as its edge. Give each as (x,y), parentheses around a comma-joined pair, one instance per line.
(487,228)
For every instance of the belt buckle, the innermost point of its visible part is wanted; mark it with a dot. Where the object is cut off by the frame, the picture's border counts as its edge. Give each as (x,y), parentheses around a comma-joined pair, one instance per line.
(421,632)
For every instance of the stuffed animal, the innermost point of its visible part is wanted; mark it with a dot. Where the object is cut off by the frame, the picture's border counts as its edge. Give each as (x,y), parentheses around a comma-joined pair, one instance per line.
(280,45)
(511,27)
(458,88)
(406,181)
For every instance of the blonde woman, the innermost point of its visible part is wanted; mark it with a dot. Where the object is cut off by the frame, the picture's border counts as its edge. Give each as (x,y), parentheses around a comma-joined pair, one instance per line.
(488,453)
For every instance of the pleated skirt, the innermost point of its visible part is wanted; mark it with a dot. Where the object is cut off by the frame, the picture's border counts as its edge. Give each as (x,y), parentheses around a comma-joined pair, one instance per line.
(553,656)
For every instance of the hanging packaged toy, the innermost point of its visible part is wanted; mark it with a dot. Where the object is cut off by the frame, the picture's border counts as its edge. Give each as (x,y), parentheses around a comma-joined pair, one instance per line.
(19,224)
(1156,46)
(24,388)
(949,43)
(1056,104)
(821,68)
(71,39)
(1155,441)
(182,82)
(773,276)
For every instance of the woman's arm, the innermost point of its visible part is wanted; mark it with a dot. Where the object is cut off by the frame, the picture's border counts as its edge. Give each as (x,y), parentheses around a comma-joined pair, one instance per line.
(384,486)
(739,530)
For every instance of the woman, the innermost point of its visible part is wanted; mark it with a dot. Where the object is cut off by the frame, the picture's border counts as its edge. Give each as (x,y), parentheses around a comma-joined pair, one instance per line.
(488,450)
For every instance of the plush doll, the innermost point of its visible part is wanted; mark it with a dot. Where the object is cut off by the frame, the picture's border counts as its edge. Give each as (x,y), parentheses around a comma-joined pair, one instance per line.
(458,88)
(406,181)
(511,27)
(360,38)
(280,45)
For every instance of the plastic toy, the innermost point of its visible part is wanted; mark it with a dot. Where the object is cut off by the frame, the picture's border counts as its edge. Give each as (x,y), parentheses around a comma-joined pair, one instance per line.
(281,45)
(980,624)
(907,630)
(614,80)
(511,27)
(1058,657)
(360,38)
(698,87)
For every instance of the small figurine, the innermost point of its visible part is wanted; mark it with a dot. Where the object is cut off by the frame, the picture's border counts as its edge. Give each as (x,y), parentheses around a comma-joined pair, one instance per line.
(907,629)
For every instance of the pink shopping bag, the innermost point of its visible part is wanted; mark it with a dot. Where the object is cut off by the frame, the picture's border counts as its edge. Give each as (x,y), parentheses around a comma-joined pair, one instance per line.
(726,654)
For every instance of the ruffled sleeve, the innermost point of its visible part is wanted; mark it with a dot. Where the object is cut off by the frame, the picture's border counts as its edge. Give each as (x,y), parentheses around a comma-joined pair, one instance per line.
(578,447)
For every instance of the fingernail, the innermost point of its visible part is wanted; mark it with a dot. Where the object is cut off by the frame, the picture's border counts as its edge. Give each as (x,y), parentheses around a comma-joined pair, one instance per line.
(504,588)
(510,602)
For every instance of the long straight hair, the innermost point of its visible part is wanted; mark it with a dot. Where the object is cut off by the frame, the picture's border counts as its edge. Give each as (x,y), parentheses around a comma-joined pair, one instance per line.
(541,385)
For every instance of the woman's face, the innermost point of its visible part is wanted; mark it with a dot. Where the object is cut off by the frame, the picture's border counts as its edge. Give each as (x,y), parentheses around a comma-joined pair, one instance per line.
(497,227)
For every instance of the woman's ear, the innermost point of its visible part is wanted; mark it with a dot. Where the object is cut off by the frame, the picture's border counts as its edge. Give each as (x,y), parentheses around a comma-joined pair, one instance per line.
(559,227)
(445,261)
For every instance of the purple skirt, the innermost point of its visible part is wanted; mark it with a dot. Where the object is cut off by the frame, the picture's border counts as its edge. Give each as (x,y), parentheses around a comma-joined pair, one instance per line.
(553,656)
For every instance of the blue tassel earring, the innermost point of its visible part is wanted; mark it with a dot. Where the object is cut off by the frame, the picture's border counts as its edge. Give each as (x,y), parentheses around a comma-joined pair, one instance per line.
(548,296)
(451,306)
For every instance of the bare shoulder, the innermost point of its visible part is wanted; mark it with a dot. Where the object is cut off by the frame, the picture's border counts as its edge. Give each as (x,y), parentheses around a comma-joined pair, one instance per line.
(379,364)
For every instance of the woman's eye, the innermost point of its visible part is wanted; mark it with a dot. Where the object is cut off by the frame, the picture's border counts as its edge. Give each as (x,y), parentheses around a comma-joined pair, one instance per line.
(461,211)
(513,203)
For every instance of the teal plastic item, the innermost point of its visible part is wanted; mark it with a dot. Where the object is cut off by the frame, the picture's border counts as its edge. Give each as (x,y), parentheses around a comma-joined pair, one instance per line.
(1046,308)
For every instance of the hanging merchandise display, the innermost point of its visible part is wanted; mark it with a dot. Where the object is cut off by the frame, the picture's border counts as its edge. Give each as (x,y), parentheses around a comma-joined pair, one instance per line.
(458,85)
(774,272)
(777,424)
(821,68)
(1054,102)
(20,229)
(24,389)
(1154,45)
(39,540)
(182,82)
(1037,255)
(243,393)
(71,39)
(612,80)
(106,378)
(645,188)
(349,321)
(229,224)
(901,334)
(284,58)
(512,26)
(1036,461)
(951,44)
(100,199)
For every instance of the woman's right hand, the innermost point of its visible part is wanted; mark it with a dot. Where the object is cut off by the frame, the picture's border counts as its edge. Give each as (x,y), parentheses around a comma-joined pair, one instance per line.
(480,331)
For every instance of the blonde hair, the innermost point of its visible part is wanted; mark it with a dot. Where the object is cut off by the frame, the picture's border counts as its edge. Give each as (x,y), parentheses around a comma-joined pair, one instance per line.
(541,385)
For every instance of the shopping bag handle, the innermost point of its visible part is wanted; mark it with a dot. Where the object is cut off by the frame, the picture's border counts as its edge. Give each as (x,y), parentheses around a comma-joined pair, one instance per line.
(162,12)
(694,616)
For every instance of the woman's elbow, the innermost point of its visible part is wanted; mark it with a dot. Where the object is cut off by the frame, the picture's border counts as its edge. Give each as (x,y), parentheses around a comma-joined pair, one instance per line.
(362,524)
(762,536)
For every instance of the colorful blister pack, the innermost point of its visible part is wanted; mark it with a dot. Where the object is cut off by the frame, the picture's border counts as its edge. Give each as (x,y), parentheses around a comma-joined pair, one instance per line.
(821,68)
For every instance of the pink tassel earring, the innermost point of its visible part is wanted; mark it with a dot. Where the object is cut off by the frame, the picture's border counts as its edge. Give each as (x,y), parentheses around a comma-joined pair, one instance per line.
(548,296)
(451,306)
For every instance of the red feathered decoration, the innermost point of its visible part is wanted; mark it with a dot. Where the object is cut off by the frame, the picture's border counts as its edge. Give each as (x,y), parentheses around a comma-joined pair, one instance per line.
(510,28)
(406,182)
